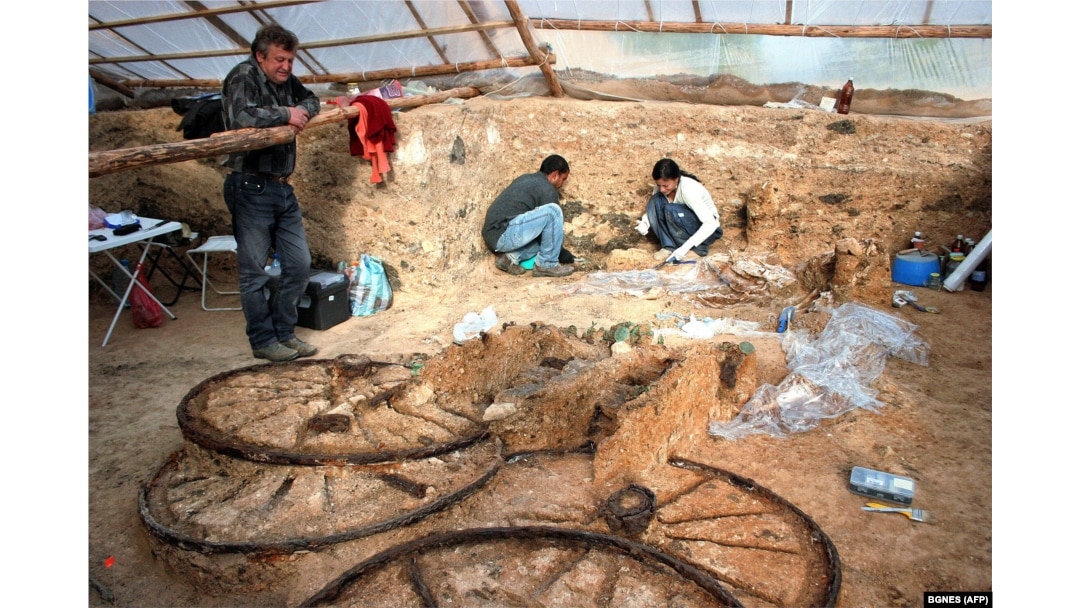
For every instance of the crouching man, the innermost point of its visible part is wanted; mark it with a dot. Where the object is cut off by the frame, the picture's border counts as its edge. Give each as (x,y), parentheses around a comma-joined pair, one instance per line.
(525,220)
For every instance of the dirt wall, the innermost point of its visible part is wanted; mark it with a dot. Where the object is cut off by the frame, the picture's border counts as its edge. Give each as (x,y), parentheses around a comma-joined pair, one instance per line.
(794,182)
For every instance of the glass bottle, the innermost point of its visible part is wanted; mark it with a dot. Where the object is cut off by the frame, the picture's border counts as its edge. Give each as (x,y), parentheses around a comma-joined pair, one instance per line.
(978,276)
(846,93)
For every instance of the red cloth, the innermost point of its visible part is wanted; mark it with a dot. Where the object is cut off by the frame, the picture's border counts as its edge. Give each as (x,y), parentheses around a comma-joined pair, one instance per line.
(380,125)
(373,150)
(372,134)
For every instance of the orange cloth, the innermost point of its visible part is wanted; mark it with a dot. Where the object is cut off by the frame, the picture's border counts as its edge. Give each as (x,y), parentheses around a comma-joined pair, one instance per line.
(372,144)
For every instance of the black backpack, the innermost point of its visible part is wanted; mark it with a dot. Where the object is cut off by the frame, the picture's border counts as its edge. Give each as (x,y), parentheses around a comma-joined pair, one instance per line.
(202,115)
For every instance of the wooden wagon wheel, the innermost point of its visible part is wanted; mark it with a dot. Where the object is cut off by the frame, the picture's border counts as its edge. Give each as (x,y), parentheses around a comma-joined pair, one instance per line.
(344,411)
(761,547)
(522,566)
(202,501)
(764,548)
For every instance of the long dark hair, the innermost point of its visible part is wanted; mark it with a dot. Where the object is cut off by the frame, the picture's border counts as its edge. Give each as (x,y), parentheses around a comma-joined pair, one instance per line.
(665,168)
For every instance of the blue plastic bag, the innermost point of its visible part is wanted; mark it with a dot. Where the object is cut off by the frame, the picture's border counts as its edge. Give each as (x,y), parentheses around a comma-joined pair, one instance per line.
(370,291)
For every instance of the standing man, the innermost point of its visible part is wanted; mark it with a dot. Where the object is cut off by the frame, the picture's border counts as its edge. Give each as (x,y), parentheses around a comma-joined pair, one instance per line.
(525,220)
(262,92)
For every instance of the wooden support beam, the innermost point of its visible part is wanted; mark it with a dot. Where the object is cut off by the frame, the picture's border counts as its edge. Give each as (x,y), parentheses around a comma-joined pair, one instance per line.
(431,39)
(113,161)
(471,16)
(119,87)
(423,100)
(427,70)
(373,76)
(219,23)
(241,8)
(541,58)
(434,31)
(809,31)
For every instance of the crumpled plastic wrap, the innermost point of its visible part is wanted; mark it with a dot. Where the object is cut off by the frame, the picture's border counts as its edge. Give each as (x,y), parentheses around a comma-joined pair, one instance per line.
(830,375)
(685,279)
(707,327)
(473,324)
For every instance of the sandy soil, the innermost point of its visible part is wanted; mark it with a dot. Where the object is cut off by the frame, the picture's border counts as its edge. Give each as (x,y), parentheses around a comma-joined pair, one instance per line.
(794,189)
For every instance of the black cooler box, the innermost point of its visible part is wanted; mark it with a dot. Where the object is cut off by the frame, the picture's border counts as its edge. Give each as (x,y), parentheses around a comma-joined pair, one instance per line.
(325,302)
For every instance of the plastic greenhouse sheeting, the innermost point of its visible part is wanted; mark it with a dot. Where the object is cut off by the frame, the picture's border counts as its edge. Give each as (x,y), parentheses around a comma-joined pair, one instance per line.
(332,33)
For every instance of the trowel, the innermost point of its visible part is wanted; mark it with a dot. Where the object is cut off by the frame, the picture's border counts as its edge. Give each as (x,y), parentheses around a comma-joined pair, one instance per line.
(672,260)
(917,306)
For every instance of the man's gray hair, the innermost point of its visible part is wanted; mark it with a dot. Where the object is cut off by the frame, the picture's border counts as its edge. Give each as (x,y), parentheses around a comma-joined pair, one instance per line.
(274,34)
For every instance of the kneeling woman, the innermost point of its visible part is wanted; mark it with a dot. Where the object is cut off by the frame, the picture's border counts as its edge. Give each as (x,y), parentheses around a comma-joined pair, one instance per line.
(680,212)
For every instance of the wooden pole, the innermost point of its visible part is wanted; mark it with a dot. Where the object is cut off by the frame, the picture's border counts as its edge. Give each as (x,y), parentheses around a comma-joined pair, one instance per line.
(522,24)
(104,80)
(243,8)
(113,161)
(423,26)
(423,100)
(471,16)
(373,76)
(809,31)
(241,52)
(426,70)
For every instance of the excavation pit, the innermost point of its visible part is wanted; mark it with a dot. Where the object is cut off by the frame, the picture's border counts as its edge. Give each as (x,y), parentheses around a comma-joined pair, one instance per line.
(301,474)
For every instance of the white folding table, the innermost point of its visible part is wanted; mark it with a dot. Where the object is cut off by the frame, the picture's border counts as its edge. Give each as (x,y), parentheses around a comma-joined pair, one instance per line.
(149,229)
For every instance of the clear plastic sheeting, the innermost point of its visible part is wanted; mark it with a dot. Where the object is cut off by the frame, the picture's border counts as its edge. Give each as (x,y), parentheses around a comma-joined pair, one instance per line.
(708,328)
(686,278)
(830,374)
(948,76)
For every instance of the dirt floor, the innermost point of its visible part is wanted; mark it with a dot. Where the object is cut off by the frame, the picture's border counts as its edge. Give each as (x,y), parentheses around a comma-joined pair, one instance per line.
(813,206)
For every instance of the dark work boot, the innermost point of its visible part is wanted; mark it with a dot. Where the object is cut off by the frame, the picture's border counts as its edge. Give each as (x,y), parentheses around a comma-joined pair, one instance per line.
(558,270)
(504,264)
(276,352)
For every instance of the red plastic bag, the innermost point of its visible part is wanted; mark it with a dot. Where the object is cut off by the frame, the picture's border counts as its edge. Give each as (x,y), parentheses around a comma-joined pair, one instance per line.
(146,311)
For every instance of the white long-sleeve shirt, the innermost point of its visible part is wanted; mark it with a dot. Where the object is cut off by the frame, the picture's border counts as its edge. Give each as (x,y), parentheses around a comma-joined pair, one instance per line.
(694,195)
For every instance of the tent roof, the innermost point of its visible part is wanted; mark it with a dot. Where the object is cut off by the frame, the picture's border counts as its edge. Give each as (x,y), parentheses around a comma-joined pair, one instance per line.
(167,43)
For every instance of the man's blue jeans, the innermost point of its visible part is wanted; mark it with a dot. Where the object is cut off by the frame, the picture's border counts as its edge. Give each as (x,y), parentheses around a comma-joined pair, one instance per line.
(534,233)
(265,215)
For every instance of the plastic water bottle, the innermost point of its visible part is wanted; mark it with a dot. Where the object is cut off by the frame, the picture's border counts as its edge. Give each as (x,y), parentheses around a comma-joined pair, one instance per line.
(120,281)
(274,267)
(786,317)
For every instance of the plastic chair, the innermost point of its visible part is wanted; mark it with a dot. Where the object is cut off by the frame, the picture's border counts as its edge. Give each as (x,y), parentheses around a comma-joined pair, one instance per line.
(214,244)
